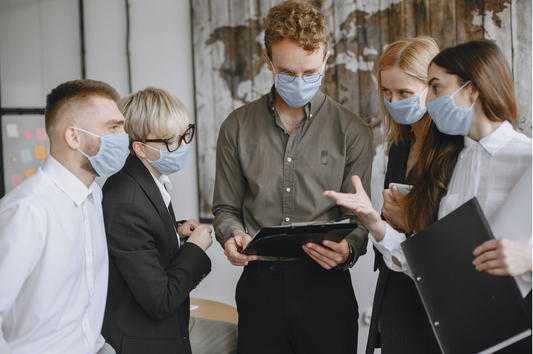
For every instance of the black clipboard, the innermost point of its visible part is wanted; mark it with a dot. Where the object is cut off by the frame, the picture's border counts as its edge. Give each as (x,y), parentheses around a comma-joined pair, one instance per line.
(287,241)
(470,311)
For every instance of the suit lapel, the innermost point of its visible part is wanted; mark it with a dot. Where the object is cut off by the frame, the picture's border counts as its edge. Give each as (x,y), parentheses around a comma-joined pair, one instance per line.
(144,178)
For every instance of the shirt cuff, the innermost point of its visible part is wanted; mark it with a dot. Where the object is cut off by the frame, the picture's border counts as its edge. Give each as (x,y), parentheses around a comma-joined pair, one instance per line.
(390,246)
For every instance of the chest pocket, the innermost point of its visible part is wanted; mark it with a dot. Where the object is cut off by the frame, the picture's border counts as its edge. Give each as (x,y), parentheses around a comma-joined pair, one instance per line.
(493,203)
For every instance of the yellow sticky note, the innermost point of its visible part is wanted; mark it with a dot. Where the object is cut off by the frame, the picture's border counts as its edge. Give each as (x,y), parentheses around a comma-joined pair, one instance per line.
(29,172)
(40,152)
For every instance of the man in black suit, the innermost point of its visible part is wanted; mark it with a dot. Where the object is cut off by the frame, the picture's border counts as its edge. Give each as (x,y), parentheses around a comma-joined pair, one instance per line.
(150,273)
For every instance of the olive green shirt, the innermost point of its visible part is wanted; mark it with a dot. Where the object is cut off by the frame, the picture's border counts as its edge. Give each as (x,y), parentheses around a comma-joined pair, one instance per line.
(266,177)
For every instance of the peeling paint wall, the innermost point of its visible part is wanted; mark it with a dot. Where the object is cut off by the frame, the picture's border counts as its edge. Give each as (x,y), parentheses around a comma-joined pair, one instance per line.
(230,69)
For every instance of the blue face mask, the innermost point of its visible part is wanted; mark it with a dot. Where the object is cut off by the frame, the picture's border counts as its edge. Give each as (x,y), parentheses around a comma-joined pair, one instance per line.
(298,92)
(408,111)
(449,118)
(170,162)
(111,155)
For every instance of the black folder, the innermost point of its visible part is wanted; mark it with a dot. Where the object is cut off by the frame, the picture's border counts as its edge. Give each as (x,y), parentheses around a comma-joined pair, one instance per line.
(287,241)
(470,311)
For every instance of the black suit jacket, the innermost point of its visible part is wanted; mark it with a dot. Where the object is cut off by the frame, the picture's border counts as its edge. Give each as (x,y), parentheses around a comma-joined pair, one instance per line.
(396,299)
(150,277)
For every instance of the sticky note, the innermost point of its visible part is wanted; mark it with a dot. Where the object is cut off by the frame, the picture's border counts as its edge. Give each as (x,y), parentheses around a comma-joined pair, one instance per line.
(25,156)
(29,172)
(41,134)
(12,130)
(15,180)
(40,152)
(27,134)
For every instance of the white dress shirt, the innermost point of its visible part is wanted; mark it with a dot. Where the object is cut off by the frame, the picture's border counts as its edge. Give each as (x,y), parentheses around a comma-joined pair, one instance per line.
(164,184)
(487,169)
(53,265)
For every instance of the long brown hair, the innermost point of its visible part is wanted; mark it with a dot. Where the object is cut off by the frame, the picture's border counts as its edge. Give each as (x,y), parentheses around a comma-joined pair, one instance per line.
(484,64)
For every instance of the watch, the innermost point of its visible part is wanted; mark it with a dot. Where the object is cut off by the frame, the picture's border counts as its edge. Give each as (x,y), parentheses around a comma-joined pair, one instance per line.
(346,265)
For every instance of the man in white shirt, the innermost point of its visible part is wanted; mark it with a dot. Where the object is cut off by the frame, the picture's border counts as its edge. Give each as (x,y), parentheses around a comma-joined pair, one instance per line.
(53,252)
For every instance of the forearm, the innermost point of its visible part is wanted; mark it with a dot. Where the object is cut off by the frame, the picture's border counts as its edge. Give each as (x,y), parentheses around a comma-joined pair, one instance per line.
(226,220)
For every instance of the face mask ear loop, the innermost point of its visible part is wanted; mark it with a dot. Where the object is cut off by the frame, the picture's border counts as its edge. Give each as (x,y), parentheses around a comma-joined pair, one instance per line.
(84,154)
(152,149)
(85,131)
(420,96)
(460,88)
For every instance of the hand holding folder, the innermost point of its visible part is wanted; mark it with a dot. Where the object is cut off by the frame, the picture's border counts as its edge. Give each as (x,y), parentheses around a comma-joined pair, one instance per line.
(470,311)
(287,240)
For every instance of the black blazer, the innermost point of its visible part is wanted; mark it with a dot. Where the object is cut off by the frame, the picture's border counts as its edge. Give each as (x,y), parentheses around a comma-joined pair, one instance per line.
(150,277)
(396,299)
(397,289)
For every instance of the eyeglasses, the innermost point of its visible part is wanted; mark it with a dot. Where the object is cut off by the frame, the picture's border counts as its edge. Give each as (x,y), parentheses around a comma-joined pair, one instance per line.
(289,76)
(186,137)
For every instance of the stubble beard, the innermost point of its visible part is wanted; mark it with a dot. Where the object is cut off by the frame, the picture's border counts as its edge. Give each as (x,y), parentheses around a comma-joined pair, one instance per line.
(91,149)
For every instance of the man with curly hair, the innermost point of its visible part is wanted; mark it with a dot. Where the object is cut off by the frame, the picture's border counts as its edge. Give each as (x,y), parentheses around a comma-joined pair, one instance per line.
(275,157)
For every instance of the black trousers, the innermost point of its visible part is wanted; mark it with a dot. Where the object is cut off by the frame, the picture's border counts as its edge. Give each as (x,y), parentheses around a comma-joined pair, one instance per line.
(296,307)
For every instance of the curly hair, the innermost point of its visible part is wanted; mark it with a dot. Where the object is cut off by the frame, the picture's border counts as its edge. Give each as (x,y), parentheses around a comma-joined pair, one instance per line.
(299,21)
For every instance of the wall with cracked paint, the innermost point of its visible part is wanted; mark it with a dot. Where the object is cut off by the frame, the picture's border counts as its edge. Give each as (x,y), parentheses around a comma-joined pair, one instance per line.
(230,69)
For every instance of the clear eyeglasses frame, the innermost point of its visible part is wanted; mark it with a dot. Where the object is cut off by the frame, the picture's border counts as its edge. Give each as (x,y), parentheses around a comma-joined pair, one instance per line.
(289,76)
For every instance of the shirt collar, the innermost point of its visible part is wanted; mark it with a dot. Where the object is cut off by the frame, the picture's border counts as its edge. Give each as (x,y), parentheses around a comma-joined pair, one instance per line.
(165,181)
(164,185)
(311,108)
(67,182)
(493,142)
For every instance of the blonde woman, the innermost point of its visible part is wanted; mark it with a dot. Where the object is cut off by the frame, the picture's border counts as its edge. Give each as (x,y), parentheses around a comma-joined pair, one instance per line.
(471,150)
(399,321)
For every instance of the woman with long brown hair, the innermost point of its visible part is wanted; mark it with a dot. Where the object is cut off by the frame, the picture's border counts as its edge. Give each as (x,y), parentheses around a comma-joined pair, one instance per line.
(471,94)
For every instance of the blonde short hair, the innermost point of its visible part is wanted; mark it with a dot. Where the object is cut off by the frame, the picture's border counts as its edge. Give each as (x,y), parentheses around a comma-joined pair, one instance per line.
(412,56)
(153,110)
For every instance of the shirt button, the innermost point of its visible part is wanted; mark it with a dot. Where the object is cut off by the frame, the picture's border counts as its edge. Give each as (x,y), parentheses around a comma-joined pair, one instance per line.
(287,219)
(91,289)
(288,189)
(272,267)
(311,115)
(289,159)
